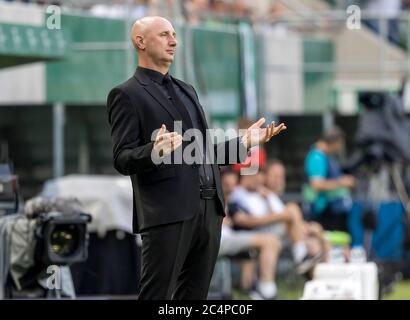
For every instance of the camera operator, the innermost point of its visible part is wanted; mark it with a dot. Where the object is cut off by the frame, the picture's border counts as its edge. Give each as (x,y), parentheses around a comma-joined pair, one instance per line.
(327,189)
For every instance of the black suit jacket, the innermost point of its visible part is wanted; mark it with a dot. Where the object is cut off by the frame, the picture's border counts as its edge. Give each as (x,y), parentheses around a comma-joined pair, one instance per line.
(162,193)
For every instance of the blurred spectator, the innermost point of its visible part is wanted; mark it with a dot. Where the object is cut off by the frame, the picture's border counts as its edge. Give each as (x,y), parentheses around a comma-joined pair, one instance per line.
(275,13)
(194,10)
(327,191)
(164,8)
(118,9)
(218,7)
(315,239)
(277,10)
(234,242)
(240,9)
(276,177)
(259,209)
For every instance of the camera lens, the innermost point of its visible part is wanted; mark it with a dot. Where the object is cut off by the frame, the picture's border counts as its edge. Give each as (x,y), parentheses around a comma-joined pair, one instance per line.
(64,239)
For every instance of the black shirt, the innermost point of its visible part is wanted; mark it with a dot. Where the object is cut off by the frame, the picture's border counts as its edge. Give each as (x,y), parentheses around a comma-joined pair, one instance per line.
(205,170)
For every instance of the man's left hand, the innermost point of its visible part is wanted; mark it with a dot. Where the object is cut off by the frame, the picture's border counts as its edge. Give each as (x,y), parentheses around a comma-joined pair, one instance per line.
(255,134)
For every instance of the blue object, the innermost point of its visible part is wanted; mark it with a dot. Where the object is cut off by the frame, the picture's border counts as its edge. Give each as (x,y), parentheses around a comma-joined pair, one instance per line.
(387,242)
(387,239)
(355,225)
(316,164)
(316,167)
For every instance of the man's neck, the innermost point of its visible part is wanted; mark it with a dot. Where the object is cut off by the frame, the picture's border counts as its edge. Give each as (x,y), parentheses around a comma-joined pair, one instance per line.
(161,69)
(247,188)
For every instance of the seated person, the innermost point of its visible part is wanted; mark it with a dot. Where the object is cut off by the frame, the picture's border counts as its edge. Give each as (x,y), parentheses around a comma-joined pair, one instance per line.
(258,209)
(275,181)
(234,242)
(327,190)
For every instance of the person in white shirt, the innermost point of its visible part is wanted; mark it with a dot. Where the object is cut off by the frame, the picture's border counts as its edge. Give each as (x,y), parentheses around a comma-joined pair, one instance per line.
(236,241)
(263,211)
(275,181)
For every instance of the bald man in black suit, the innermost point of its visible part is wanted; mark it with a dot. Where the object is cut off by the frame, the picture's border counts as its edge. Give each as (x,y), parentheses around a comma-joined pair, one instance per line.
(178,208)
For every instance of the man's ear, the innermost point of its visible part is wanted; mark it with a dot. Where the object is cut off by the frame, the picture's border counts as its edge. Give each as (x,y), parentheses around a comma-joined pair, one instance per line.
(139,42)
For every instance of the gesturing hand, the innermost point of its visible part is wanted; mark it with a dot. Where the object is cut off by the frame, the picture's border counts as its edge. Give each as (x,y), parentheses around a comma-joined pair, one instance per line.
(255,134)
(347,181)
(166,142)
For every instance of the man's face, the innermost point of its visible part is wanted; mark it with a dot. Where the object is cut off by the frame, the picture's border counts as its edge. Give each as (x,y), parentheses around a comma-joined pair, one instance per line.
(161,42)
(275,178)
(336,147)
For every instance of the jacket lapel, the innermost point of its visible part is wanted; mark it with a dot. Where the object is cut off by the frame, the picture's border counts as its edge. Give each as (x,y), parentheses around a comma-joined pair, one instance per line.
(159,97)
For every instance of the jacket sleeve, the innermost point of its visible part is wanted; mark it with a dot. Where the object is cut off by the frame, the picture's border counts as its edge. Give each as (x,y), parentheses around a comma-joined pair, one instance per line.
(129,154)
(230,152)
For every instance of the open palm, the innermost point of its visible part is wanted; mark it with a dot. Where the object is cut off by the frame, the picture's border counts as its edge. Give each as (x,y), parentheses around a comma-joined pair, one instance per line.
(255,134)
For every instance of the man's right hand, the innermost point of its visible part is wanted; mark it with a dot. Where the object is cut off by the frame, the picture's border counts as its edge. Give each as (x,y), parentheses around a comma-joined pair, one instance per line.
(166,142)
(347,181)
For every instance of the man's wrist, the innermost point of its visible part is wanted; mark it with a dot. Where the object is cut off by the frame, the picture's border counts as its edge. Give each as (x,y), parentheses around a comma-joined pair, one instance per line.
(244,140)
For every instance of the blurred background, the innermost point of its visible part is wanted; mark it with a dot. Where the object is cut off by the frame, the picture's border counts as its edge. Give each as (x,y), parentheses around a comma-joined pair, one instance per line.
(297,61)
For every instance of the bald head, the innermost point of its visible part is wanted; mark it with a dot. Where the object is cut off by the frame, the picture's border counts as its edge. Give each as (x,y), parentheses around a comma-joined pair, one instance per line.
(143,26)
(155,40)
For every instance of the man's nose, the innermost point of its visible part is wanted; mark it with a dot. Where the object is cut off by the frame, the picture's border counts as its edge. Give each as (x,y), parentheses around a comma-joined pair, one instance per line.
(173,42)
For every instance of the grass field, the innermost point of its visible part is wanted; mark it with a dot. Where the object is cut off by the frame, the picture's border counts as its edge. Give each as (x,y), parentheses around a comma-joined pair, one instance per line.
(294,291)
(401,291)
(288,289)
